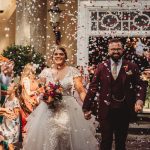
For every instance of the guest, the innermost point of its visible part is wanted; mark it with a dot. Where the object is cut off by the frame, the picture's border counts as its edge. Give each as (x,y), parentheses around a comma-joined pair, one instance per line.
(10,127)
(6,76)
(85,77)
(121,92)
(147,55)
(29,94)
(136,52)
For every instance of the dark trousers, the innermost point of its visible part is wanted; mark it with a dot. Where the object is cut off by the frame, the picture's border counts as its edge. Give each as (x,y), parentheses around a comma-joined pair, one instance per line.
(117,123)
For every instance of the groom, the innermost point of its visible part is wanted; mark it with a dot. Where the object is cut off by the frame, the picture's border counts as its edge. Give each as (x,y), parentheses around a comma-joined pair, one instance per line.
(121,93)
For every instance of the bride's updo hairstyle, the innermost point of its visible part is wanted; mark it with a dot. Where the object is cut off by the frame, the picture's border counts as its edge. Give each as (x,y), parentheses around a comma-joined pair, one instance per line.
(63,50)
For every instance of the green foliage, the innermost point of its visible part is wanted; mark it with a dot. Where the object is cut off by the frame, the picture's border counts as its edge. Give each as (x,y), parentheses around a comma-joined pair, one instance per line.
(147,102)
(148,92)
(21,55)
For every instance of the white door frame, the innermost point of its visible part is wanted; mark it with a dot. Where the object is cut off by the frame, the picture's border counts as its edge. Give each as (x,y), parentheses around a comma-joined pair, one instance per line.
(83,32)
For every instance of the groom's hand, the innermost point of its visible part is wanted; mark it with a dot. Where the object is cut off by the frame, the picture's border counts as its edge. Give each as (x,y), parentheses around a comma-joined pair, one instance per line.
(87,115)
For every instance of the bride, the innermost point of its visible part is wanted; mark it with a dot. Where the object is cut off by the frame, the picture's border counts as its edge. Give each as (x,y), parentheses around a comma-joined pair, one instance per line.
(65,128)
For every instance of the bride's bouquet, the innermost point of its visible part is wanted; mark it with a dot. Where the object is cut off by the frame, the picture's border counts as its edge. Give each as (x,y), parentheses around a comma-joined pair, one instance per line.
(53,94)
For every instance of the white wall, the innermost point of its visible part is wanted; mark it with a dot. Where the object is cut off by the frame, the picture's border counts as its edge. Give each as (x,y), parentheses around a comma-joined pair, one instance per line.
(84,32)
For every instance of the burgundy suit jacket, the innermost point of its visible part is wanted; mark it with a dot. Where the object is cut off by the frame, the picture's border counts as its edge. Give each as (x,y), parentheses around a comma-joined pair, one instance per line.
(134,88)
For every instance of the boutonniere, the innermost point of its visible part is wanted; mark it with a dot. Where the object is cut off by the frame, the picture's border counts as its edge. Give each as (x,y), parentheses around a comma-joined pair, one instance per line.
(126,68)
(128,72)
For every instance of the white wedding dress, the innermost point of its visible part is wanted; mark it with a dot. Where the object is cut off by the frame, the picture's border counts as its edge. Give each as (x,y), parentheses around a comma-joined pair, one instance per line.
(65,129)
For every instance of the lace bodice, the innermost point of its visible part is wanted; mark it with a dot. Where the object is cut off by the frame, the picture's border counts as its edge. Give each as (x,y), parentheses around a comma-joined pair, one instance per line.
(62,129)
(67,82)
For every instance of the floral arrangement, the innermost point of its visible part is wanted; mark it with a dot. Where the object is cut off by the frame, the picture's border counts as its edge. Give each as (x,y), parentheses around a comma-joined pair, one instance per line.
(53,94)
(22,55)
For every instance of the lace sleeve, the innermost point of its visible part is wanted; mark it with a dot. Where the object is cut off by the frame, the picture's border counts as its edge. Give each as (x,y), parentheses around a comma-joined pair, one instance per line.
(44,73)
(75,72)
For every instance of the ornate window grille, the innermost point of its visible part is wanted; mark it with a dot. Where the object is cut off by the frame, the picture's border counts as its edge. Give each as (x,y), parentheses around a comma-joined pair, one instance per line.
(119,20)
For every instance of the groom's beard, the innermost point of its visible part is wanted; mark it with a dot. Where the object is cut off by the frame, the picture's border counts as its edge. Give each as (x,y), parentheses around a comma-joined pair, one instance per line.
(116,59)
